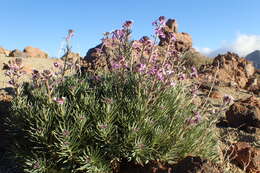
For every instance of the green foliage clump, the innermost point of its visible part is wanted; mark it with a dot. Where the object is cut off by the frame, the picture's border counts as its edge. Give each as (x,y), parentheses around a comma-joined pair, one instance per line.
(138,111)
(105,121)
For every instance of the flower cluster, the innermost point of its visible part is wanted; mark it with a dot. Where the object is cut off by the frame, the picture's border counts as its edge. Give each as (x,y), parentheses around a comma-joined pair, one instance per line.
(14,71)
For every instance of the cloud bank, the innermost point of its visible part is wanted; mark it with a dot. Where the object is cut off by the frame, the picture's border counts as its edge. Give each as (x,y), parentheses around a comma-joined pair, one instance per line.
(243,45)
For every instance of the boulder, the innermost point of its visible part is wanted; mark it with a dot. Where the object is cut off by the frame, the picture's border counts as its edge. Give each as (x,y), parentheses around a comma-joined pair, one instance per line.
(253,85)
(4,52)
(93,60)
(244,156)
(35,52)
(244,113)
(17,53)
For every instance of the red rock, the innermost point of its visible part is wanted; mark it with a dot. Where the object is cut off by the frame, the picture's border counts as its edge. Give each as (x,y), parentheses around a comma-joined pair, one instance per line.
(244,113)
(35,52)
(230,68)
(4,52)
(244,156)
(183,40)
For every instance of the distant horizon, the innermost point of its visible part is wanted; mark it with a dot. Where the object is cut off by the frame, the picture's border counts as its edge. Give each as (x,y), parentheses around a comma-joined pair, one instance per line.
(215,26)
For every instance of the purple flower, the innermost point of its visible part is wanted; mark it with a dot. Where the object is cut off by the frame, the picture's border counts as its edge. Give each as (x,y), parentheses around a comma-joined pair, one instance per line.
(153,71)
(56,64)
(116,66)
(160,76)
(47,74)
(182,76)
(194,73)
(172,36)
(227,99)
(8,73)
(162,19)
(194,120)
(141,67)
(146,41)
(59,100)
(36,165)
(137,45)
(118,34)
(159,32)
(70,34)
(128,24)
(11,82)
(173,84)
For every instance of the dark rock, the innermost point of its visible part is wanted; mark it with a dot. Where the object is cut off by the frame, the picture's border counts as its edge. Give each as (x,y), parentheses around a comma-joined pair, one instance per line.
(244,113)
(244,156)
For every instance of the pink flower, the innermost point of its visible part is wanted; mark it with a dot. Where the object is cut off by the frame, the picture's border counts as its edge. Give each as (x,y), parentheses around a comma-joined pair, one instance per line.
(160,76)
(153,71)
(11,82)
(118,34)
(128,24)
(162,19)
(182,76)
(194,120)
(194,72)
(172,36)
(116,66)
(56,64)
(159,32)
(173,84)
(141,67)
(146,41)
(59,100)
(227,99)
(70,34)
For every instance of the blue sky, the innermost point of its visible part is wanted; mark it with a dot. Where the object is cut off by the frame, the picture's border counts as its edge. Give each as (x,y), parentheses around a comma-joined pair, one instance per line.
(215,25)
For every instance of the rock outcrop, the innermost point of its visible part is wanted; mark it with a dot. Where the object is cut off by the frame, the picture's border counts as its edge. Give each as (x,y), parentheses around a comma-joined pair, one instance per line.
(230,69)
(244,113)
(183,40)
(244,156)
(4,52)
(34,52)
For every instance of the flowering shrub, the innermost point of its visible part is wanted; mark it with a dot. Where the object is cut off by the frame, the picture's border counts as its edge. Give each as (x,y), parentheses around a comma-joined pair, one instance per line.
(140,110)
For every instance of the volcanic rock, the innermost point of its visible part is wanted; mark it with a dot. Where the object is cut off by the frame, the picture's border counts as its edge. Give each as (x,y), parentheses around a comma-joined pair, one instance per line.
(245,156)
(4,52)
(35,52)
(244,113)
(230,68)
(183,40)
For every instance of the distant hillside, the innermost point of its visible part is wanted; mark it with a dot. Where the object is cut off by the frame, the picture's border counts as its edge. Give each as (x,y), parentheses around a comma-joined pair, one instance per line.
(255,58)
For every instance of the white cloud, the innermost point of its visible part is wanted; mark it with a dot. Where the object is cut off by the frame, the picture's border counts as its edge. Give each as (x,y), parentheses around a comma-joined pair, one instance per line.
(204,51)
(243,45)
